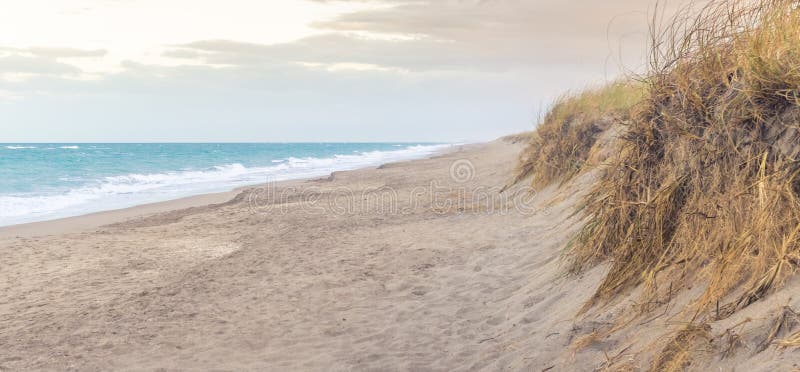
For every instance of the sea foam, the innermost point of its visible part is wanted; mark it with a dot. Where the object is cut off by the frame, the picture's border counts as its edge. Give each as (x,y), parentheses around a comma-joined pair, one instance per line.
(132,189)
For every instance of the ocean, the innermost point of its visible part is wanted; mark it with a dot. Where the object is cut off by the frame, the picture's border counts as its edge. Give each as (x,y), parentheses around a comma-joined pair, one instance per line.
(47,181)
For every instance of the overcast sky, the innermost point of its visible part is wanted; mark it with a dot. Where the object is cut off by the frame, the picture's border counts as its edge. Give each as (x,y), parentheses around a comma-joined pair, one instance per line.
(302,70)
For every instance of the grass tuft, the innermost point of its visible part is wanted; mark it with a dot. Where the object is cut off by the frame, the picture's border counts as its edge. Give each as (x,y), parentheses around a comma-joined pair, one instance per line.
(677,355)
(563,140)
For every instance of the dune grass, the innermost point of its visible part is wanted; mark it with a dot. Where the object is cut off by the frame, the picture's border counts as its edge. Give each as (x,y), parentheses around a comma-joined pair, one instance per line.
(677,355)
(704,186)
(561,144)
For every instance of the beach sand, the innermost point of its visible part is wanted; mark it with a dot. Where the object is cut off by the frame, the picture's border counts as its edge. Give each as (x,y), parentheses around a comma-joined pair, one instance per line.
(301,284)
(319,275)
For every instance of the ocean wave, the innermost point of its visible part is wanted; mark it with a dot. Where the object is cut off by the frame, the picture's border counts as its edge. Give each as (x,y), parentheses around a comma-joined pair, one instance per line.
(137,188)
(20,147)
(70,147)
(117,191)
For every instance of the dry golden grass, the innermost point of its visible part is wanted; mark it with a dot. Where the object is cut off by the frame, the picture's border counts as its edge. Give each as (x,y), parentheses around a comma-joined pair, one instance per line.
(791,341)
(785,321)
(706,183)
(677,355)
(562,142)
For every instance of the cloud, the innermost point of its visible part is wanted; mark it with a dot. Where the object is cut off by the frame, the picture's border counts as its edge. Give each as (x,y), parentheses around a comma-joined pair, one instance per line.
(413,55)
(415,70)
(29,62)
(464,35)
(66,52)
(22,64)
(609,34)
(279,103)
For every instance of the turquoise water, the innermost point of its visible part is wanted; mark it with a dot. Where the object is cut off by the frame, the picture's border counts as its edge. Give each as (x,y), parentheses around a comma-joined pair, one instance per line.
(46,181)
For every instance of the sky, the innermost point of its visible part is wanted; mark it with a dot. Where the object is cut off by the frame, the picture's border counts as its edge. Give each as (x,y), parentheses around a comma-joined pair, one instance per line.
(303,70)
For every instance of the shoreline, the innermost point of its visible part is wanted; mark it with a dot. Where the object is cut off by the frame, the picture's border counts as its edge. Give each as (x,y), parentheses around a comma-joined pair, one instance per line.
(92,220)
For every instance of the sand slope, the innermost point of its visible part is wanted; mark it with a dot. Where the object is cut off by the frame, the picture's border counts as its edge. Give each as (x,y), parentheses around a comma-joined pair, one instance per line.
(261,283)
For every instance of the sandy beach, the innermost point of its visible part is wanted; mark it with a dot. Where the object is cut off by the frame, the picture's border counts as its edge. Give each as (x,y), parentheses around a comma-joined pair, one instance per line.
(331,274)
(246,283)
